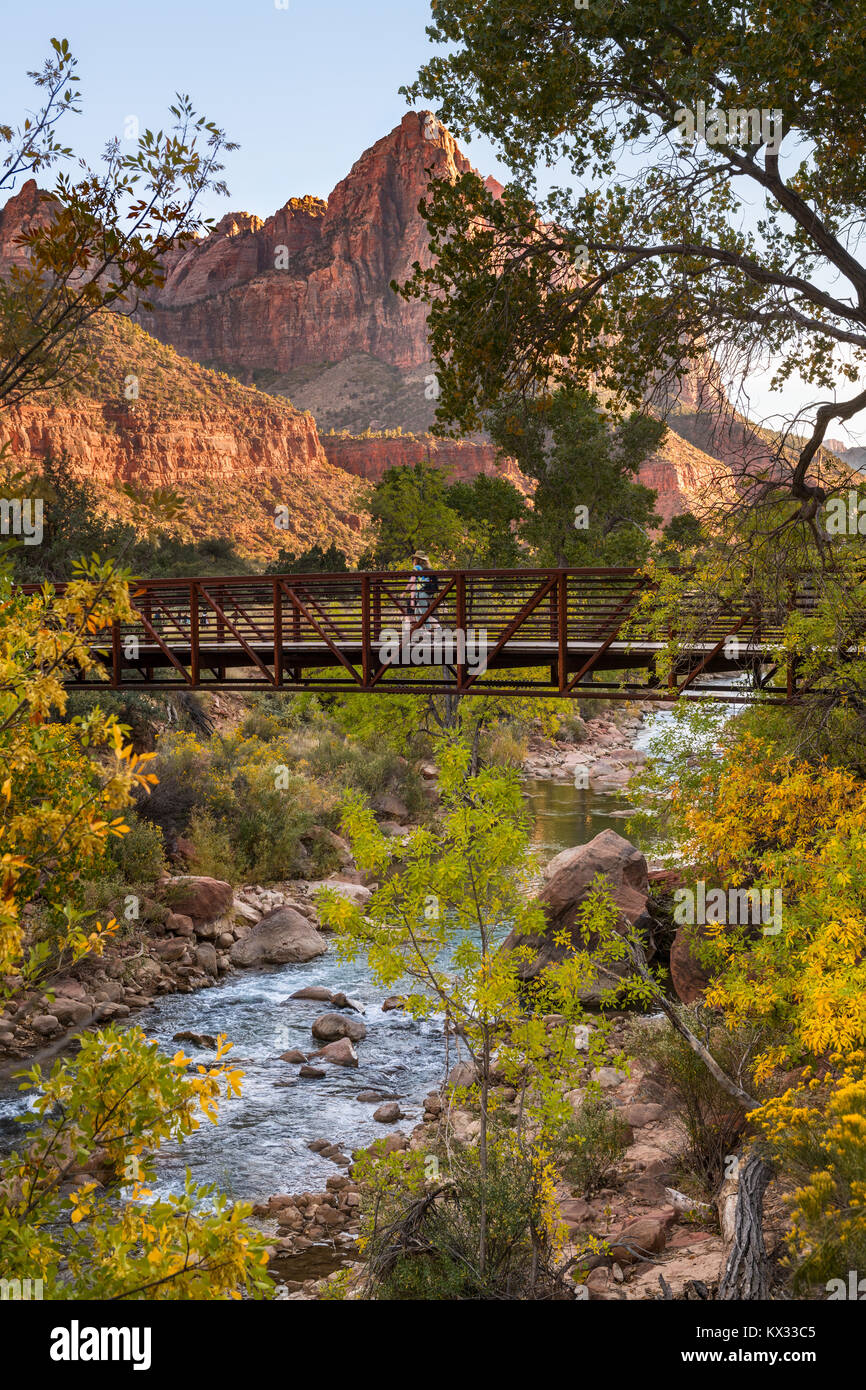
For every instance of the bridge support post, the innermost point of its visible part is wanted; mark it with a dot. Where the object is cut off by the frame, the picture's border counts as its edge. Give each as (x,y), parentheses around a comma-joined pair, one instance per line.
(562,630)
(460,588)
(366,637)
(278,633)
(194,654)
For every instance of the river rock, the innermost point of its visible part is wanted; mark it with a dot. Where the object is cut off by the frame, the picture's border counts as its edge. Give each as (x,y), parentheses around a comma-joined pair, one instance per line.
(312,1073)
(70,989)
(317,992)
(689,977)
(463,1074)
(206,958)
(173,948)
(329,1027)
(45,1024)
(391,806)
(178,924)
(71,1011)
(388,1113)
(293,1055)
(639,1239)
(341,1053)
(282,937)
(105,1013)
(197,1039)
(202,899)
(355,892)
(342,1001)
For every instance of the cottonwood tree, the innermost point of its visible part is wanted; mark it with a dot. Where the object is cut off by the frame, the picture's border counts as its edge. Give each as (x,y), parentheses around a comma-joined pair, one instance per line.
(664,271)
(734,249)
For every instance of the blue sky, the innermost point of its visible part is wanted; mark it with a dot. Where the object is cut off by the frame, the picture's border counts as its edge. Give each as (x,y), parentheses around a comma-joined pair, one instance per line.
(304,90)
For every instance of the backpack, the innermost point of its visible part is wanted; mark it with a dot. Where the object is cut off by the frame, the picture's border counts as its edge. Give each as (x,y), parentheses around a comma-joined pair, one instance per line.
(429,586)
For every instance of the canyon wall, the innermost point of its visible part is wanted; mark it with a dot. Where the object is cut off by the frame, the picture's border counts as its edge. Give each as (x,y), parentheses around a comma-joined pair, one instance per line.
(311,284)
(369,456)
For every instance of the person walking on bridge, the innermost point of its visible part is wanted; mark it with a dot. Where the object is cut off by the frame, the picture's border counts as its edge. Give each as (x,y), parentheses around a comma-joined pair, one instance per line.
(421,587)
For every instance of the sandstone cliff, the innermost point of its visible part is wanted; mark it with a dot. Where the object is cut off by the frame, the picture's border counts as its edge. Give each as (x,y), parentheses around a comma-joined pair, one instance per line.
(235,454)
(311,284)
(300,304)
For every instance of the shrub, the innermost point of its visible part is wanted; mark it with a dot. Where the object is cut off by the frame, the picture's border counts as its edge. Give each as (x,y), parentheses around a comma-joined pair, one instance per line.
(590,1144)
(711,1120)
(244,803)
(423,1242)
(816,1133)
(139,856)
(503,747)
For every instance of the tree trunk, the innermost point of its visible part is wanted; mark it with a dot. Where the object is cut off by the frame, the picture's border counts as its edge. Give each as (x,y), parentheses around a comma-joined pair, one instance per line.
(746,1275)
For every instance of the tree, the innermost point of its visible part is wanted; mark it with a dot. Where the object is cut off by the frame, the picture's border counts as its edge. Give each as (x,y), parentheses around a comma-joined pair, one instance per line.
(315,560)
(98,240)
(66,784)
(437,920)
(587,509)
(717,252)
(409,511)
(750,817)
(491,510)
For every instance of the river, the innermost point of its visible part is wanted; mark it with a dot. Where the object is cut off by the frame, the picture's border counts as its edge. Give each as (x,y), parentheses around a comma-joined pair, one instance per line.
(260,1145)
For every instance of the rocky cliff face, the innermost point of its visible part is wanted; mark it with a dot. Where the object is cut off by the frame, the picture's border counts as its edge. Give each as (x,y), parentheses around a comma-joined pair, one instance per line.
(369,456)
(235,454)
(299,304)
(311,284)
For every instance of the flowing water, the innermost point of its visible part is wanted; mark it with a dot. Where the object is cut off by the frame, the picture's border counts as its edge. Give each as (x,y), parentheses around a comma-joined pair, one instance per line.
(260,1145)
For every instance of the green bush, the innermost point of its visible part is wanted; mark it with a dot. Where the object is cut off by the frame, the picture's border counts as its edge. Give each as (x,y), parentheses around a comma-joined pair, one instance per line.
(589,1145)
(139,856)
(710,1119)
(244,803)
(432,1253)
(503,747)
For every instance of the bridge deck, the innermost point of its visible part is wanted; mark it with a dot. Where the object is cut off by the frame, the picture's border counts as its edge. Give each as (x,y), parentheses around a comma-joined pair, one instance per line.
(529,632)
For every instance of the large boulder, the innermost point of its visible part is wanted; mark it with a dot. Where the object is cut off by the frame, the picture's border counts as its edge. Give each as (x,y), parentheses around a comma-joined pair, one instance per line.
(568,879)
(689,977)
(283,937)
(342,1053)
(202,899)
(329,1027)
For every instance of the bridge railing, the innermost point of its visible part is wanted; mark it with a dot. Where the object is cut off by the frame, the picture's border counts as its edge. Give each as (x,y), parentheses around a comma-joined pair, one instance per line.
(278,626)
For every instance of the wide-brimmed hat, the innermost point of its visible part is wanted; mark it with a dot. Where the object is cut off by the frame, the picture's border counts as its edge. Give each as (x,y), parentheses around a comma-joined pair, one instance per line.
(419,555)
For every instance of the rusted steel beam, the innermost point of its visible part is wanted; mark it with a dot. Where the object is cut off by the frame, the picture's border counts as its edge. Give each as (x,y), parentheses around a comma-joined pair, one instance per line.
(596,656)
(278,633)
(562,629)
(710,656)
(250,651)
(528,607)
(366,636)
(293,598)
